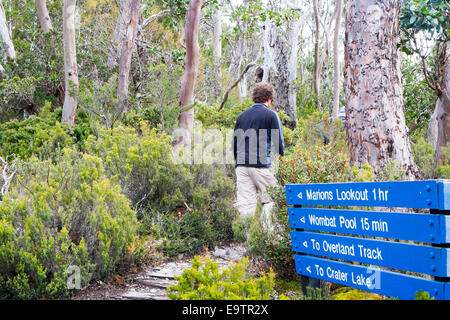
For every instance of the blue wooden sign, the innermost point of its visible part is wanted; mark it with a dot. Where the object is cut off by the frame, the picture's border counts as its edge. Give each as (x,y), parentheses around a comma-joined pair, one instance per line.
(408,194)
(317,246)
(430,228)
(402,256)
(370,279)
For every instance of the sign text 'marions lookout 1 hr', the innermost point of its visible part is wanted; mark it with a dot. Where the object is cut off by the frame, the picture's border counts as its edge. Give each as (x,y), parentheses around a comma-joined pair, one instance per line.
(321,236)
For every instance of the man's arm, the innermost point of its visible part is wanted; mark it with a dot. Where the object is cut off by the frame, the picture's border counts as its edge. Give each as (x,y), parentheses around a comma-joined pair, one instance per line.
(276,124)
(236,126)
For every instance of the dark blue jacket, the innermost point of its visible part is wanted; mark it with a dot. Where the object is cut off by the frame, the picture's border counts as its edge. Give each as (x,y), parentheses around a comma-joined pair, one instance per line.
(257,132)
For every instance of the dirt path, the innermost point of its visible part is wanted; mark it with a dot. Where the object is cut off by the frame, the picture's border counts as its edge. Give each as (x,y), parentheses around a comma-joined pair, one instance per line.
(151,283)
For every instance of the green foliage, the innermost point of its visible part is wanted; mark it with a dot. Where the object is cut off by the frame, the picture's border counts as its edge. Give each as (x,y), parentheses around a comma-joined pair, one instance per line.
(158,97)
(423,154)
(61,214)
(210,117)
(185,206)
(422,295)
(419,98)
(205,281)
(346,293)
(316,129)
(317,293)
(443,168)
(365,174)
(431,16)
(43,135)
(318,164)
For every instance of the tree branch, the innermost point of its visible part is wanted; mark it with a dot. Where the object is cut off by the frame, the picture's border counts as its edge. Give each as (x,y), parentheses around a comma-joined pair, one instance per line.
(241,76)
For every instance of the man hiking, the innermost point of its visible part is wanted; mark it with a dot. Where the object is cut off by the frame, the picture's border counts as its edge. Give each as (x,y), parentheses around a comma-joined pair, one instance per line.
(257,133)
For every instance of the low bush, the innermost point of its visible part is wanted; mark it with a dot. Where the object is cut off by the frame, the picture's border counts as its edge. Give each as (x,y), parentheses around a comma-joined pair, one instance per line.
(185,207)
(205,281)
(42,136)
(318,164)
(58,216)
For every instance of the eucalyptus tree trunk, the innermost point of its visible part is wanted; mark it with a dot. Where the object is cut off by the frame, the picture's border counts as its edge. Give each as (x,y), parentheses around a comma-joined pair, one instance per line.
(44,18)
(441,115)
(336,73)
(316,71)
(217,52)
(119,32)
(376,126)
(125,57)
(5,34)
(70,63)
(280,67)
(186,117)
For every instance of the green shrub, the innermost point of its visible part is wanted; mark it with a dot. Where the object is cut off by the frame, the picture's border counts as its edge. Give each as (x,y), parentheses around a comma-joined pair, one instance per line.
(443,168)
(61,214)
(210,117)
(205,281)
(318,164)
(423,154)
(184,206)
(42,136)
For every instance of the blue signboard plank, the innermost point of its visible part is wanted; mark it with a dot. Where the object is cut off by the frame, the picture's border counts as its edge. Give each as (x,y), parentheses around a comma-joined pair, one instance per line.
(402,256)
(371,279)
(444,194)
(430,228)
(408,194)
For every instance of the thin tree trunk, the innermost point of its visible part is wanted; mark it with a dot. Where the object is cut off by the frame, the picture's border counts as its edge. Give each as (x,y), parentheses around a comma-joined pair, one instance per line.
(44,17)
(125,57)
(186,118)
(119,33)
(442,113)
(6,35)
(70,63)
(316,74)
(336,74)
(217,52)
(376,126)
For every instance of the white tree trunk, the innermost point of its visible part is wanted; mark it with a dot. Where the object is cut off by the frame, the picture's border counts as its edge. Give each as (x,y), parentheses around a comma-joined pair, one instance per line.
(442,112)
(44,17)
(5,34)
(70,63)
(336,73)
(376,126)
(125,57)
(186,118)
(217,51)
(119,32)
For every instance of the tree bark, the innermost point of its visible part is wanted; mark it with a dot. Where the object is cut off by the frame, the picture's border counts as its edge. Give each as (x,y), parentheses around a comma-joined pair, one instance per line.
(119,32)
(125,57)
(336,73)
(316,72)
(70,63)
(186,118)
(217,52)
(44,17)
(442,112)
(5,34)
(376,126)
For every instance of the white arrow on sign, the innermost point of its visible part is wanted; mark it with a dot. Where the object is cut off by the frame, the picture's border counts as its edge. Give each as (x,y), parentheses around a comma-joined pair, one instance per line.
(302,219)
(308,268)
(300,195)
(305,243)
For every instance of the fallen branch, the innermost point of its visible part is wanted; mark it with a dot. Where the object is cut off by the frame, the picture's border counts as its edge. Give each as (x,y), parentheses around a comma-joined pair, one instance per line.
(225,96)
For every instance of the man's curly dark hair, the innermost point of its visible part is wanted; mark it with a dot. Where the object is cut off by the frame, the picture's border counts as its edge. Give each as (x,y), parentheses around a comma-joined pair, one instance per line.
(262,92)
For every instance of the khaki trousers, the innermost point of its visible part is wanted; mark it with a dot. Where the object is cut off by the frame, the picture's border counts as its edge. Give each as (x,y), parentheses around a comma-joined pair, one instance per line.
(249,181)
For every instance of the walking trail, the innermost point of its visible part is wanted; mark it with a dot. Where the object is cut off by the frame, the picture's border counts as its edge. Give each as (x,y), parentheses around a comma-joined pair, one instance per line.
(151,283)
